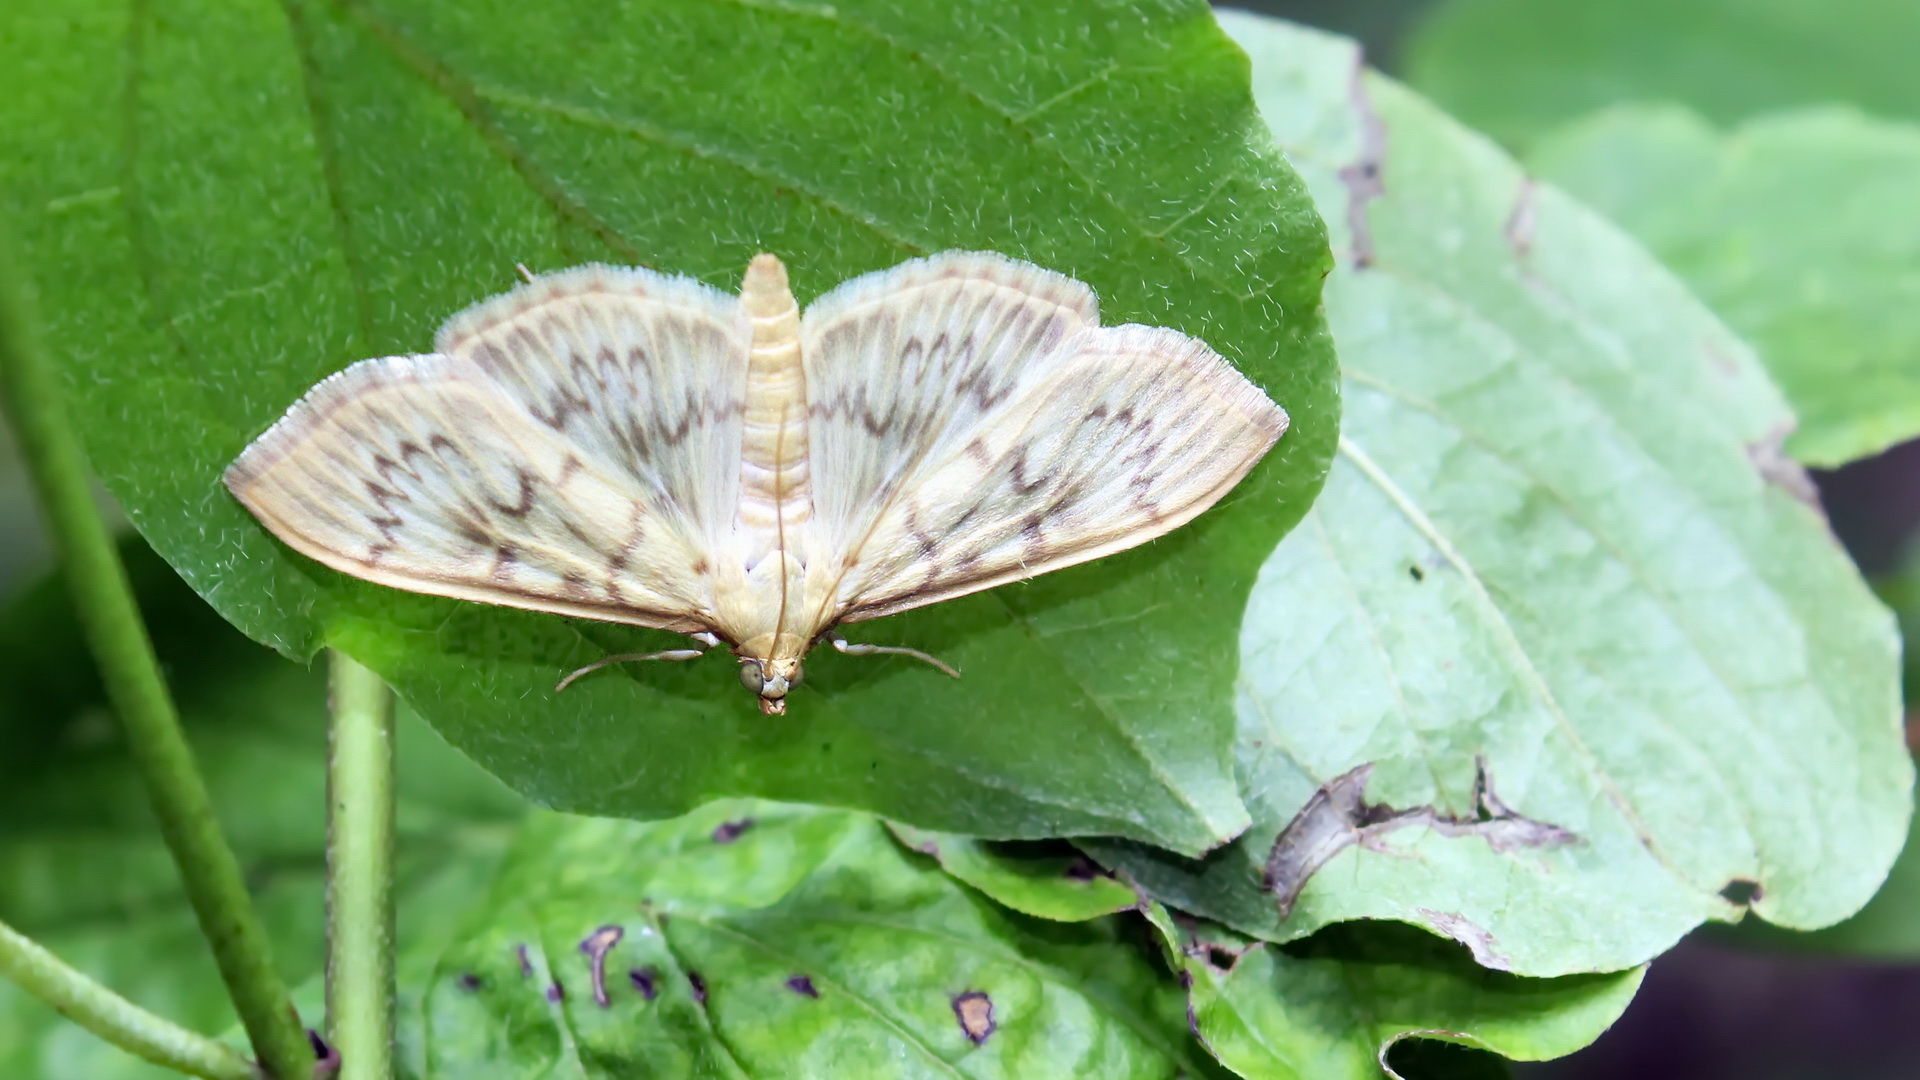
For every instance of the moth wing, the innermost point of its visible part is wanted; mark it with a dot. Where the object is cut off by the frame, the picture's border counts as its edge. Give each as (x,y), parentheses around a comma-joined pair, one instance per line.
(419,472)
(974,425)
(902,365)
(644,374)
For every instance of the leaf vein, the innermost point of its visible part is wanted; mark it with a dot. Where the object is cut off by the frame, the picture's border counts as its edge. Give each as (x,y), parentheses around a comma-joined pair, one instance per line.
(1530,676)
(664,136)
(1040,141)
(463,96)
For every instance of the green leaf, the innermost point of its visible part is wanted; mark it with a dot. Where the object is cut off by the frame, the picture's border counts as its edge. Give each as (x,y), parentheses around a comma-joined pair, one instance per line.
(755,939)
(1336,1004)
(1049,881)
(214,236)
(82,865)
(1560,537)
(822,949)
(1887,928)
(1800,229)
(1517,69)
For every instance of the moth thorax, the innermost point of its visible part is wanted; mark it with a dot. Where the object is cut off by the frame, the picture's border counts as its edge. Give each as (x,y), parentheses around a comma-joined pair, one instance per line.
(775,486)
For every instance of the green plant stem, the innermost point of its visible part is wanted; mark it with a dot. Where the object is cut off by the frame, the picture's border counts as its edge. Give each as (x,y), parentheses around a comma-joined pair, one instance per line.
(114,1018)
(360,871)
(120,645)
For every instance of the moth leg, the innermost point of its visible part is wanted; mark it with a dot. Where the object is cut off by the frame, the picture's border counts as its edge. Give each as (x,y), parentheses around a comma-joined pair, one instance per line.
(862,649)
(704,639)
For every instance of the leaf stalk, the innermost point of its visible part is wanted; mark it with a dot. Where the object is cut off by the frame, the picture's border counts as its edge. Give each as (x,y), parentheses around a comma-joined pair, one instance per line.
(114,1018)
(34,403)
(360,831)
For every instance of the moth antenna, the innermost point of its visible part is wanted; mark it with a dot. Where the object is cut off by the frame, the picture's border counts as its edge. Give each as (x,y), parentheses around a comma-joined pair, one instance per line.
(861,649)
(524,272)
(621,658)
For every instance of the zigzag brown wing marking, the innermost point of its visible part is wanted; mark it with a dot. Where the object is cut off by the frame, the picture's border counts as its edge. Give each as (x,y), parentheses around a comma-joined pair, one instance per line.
(420,473)
(903,364)
(638,371)
(1133,433)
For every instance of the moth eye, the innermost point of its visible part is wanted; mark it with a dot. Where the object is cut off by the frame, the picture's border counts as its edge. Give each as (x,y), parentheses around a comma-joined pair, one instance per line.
(751,676)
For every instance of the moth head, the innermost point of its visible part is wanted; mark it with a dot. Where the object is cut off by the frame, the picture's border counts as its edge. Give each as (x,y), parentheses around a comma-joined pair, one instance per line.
(771,679)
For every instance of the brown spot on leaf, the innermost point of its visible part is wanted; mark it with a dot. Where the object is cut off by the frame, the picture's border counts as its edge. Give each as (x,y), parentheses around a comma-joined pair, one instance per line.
(470,982)
(1724,363)
(1365,178)
(1338,816)
(596,946)
(1471,934)
(803,986)
(1524,219)
(974,1010)
(699,986)
(1769,458)
(646,980)
(555,992)
(728,831)
(526,963)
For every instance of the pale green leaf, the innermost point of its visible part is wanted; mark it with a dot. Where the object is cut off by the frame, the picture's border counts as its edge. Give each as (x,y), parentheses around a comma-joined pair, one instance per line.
(1562,537)
(1800,229)
(1341,1003)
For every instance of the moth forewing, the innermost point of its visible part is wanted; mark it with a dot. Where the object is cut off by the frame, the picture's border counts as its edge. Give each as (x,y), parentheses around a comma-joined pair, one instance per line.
(631,447)
(638,370)
(1134,432)
(414,472)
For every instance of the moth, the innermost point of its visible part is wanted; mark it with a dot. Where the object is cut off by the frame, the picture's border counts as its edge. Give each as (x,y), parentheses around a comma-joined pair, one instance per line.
(625,445)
